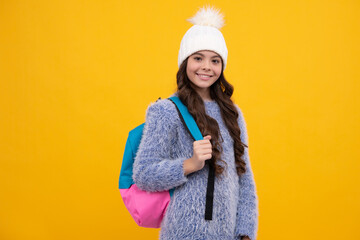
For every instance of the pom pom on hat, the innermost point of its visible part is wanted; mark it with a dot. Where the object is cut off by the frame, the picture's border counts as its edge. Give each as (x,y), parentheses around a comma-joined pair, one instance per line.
(208,16)
(204,35)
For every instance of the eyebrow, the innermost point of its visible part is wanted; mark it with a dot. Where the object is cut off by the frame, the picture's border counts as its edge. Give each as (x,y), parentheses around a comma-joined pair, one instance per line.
(215,56)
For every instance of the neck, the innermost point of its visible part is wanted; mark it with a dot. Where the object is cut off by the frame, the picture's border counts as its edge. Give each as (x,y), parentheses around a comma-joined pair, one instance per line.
(204,94)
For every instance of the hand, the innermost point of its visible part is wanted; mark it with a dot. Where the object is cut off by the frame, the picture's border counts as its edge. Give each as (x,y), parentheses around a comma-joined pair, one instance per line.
(202,151)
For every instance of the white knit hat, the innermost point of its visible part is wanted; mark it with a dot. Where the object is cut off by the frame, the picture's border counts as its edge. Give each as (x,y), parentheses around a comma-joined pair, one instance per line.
(204,35)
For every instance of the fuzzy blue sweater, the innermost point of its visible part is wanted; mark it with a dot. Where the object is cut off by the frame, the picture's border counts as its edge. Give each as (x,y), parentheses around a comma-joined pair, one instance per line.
(158,166)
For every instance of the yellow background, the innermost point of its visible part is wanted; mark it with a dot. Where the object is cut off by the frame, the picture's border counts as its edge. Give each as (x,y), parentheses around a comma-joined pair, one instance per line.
(76,76)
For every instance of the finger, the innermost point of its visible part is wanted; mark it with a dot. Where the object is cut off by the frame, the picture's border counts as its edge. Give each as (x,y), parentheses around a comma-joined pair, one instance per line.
(207,137)
(205,157)
(202,145)
(205,147)
(204,152)
(205,141)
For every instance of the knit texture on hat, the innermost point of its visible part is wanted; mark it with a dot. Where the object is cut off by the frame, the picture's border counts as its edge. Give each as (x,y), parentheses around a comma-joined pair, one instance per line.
(204,35)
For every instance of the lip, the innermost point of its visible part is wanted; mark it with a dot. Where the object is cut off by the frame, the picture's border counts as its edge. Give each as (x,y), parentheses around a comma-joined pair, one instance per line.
(204,76)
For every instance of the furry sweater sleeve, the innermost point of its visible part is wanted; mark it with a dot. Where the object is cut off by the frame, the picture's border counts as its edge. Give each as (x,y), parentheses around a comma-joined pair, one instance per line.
(247,212)
(154,169)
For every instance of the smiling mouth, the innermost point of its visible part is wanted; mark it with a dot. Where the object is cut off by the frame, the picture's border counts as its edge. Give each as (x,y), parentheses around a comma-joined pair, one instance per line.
(203,76)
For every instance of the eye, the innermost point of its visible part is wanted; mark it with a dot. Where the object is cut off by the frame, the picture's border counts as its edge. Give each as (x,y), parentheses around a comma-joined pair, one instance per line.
(197,58)
(216,61)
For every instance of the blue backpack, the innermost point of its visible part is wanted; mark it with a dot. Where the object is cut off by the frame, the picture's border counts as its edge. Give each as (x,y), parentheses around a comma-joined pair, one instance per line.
(149,208)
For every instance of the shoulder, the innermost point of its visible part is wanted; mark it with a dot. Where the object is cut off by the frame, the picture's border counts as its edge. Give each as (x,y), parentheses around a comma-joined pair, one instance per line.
(162,110)
(242,124)
(240,112)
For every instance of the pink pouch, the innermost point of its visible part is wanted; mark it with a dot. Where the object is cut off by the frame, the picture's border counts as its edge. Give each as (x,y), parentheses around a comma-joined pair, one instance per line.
(146,208)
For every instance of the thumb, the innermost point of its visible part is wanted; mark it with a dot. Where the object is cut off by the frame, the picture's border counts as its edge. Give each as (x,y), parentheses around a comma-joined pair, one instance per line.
(207,137)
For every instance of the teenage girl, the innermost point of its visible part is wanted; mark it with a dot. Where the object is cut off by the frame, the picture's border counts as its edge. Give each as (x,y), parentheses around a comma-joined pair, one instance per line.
(169,158)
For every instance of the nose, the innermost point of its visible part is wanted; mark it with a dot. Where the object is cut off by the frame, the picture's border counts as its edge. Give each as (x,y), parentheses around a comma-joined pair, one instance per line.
(206,65)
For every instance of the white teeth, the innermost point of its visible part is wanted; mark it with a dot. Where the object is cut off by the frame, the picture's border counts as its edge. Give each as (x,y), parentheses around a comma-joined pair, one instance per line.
(204,76)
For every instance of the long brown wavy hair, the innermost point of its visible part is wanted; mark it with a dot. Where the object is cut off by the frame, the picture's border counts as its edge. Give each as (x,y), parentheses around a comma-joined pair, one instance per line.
(221,91)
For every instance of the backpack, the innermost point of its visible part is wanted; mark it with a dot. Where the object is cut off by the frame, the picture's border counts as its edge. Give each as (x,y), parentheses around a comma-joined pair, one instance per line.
(149,208)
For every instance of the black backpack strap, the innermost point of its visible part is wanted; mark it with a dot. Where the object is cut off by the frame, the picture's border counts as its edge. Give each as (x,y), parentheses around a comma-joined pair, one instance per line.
(210,193)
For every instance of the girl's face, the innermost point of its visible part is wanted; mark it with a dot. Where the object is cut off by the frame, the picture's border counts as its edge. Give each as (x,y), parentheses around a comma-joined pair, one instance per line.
(203,69)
